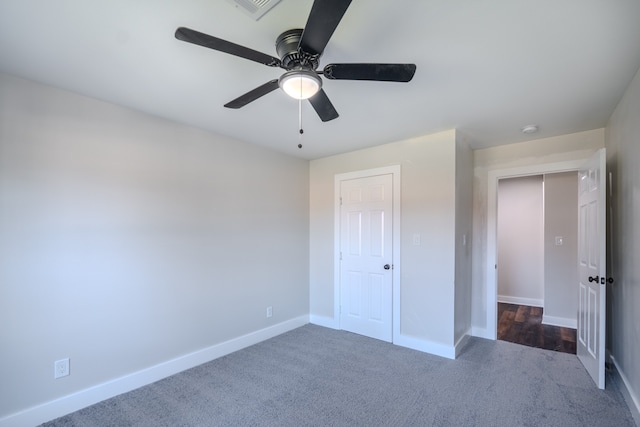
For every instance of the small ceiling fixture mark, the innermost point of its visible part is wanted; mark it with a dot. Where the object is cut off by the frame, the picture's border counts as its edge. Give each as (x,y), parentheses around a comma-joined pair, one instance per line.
(528,129)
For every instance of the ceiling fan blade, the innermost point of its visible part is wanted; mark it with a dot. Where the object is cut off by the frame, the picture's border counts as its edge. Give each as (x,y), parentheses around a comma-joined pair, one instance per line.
(252,95)
(376,72)
(323,106)
(323,20)
(196,37)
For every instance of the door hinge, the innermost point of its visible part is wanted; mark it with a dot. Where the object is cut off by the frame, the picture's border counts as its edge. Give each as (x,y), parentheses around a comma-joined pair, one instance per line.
(340,255)
(340,200)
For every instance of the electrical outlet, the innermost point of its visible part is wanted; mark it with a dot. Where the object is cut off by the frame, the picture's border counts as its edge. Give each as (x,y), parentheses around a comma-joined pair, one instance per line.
(61,368)
(269,311)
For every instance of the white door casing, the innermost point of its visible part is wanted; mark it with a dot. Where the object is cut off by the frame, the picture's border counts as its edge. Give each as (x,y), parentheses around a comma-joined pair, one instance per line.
(590,346)
(490,329)
(366,252)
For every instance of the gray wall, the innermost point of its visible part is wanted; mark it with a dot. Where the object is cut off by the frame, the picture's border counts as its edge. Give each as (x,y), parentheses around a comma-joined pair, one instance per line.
(127,241)
(623,158)
(521,241)
(427,208)
(560,261)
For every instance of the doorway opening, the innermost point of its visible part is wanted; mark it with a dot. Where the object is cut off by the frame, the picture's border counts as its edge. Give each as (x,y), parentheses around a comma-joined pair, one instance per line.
(492,224)
(592,255)
(537,260)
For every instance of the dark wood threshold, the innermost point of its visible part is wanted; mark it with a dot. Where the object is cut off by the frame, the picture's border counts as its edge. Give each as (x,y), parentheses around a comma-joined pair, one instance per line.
(522,324)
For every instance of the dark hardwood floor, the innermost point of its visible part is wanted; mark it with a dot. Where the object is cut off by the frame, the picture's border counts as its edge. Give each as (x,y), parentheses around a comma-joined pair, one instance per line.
(522,324)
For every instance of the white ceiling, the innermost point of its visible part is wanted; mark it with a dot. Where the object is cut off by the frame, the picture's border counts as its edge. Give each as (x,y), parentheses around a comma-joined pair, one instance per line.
(486,67)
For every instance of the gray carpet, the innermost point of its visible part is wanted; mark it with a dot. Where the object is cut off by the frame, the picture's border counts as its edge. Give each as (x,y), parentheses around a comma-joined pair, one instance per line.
(314,376)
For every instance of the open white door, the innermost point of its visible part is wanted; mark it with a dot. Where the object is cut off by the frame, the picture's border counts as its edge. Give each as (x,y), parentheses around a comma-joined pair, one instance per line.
(366,252)
(592,266)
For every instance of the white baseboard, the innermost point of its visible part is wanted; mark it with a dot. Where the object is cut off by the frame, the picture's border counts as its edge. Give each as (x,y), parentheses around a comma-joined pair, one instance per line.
(327,322)
(426,346)
(632,399)
(481,333)
(565,322)
(533,302)
(462,342)
(81,399)
(403,340)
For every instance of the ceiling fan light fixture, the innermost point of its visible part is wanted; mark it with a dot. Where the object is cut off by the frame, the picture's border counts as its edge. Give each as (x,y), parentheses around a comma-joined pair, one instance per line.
(300,83)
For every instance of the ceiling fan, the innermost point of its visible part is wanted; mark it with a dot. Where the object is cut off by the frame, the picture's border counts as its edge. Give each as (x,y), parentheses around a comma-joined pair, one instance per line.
(300,52)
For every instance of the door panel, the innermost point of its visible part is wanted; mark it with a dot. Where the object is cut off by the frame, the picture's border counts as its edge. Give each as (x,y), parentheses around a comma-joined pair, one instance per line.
(354,288)
(376,233)
(366,247)
(354,233)
(592,266)
(376,308)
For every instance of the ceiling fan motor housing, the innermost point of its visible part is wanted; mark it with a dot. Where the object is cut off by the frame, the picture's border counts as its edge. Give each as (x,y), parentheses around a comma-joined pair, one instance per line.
(291,56)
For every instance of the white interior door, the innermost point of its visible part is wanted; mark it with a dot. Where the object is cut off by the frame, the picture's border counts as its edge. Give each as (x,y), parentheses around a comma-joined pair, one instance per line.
(366,277)
(592,266)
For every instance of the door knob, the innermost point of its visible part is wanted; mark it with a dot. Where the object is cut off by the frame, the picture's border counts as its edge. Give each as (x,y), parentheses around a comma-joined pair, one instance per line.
(594,279)
(387,266)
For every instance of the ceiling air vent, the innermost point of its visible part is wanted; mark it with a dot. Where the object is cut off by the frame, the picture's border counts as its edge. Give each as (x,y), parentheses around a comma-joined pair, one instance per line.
(254,8)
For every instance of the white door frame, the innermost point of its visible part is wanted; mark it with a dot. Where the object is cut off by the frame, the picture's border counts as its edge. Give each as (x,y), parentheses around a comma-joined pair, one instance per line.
(491,331)
(395,172)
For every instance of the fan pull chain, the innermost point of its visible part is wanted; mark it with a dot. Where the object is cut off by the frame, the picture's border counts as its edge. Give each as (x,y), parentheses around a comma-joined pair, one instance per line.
(300,119)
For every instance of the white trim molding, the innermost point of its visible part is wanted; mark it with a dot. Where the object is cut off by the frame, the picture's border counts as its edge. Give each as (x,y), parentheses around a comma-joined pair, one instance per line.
(479,332)
(624,385)
(461,343)
(87,397)
(493,177)
(324,321)
(564,322)
(430,347)
(533,302)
